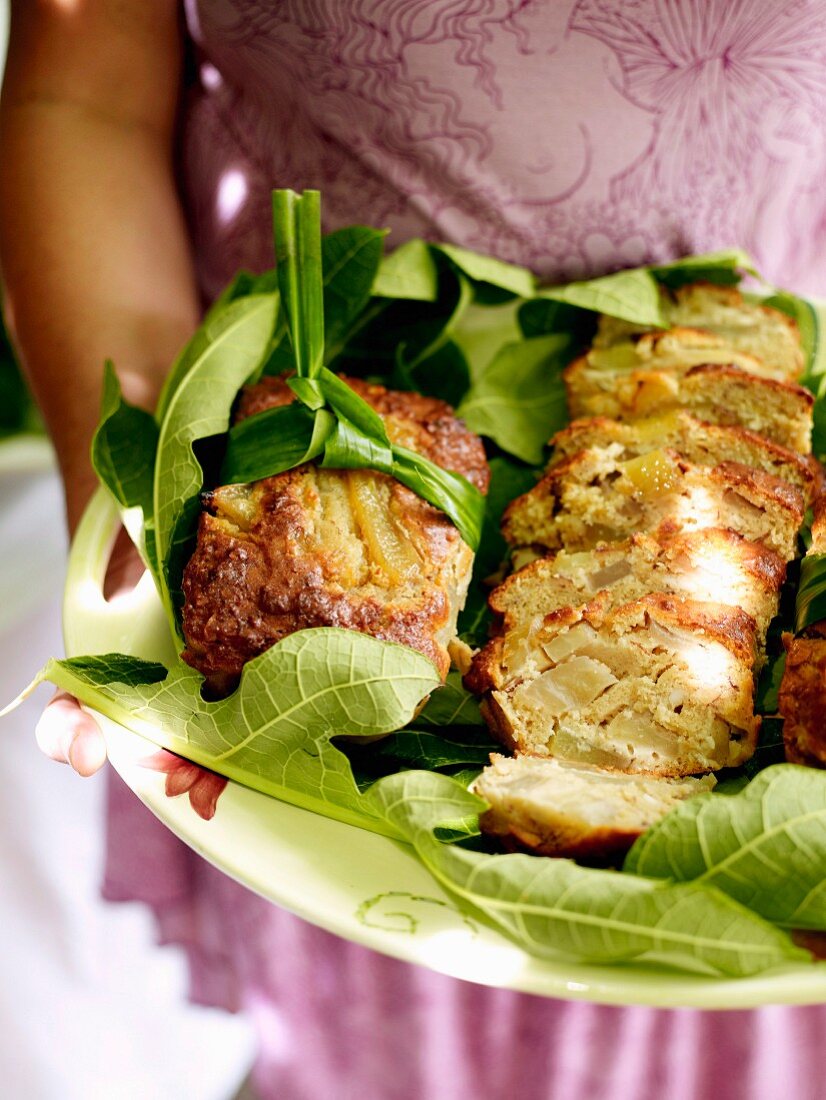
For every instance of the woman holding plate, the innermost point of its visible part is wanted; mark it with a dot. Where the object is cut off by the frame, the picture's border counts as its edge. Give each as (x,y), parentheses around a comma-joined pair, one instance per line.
(140,145)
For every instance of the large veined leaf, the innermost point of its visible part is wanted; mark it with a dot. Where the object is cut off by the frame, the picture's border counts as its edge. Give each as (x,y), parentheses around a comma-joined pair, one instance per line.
(451,705)
(200,407)
(554,906)
(765,847)
(519,401)
(273,733)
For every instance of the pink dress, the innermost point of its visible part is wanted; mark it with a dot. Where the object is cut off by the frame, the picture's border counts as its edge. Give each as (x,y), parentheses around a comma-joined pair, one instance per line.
(574,136)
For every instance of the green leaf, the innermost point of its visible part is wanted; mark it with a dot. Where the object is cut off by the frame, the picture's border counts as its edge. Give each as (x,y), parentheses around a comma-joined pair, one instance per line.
(243,285)
(123,457)
(485,269)
(725,268)
(508,480)
(200,407)
(349,259)
(346,403)
(765,847)
(123,446)
(273,733)
(348,448)
(443,373)
(768,688)
(519,401)
(218,328)
(408,272)
(273,441)
(451,705)
(453,494)
(297,224)
(430,750)
(552,907)
(811,594)
(630,295)
(543,316)
(455,300)
(114,668)
(18,412)
(482,331)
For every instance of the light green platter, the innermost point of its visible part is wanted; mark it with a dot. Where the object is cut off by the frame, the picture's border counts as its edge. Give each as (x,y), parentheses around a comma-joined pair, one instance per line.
(351,882)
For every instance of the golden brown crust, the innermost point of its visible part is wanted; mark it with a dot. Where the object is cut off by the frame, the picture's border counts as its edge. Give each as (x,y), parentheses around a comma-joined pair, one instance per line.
(792,388)
(686,433)
(803,701)
(341,548)
(734,475)
(601,845)
(730,626)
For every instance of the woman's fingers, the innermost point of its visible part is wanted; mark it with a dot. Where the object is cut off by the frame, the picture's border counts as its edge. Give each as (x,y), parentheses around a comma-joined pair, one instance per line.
(70,735)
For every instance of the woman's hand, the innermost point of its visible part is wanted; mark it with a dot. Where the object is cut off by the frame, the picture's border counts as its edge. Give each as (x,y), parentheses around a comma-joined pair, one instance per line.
(66,732)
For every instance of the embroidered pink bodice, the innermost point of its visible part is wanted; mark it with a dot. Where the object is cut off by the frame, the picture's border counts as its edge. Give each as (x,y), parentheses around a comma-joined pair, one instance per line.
(574,137)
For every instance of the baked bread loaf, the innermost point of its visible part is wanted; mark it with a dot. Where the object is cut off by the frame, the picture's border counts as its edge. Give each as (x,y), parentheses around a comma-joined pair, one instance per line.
(711,564)
(344,548)
(695,440)
(595,497)
(557,808)
(748,327)
(658,685)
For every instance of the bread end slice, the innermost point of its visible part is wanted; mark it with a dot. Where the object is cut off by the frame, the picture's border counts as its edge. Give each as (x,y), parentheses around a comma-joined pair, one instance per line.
(556,808)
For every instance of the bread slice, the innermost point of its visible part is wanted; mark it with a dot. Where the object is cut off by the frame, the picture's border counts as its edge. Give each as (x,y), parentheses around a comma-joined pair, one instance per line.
(595,497)
(556,808)
(695,440)
(710,564)
(719,393)
(748,327)
(657,685)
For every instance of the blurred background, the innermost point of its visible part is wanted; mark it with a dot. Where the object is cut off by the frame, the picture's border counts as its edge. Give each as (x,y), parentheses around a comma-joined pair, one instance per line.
(90,1007)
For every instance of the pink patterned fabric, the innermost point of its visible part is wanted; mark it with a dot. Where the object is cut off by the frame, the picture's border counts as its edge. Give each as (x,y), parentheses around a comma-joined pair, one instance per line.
(575,137)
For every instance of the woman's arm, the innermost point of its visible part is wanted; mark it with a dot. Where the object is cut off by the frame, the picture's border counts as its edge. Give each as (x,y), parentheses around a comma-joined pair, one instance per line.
(93,248)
